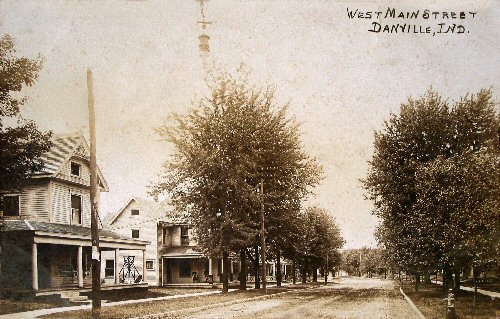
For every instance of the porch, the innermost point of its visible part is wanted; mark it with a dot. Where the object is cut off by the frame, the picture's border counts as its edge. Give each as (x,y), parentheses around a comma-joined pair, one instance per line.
(41,257)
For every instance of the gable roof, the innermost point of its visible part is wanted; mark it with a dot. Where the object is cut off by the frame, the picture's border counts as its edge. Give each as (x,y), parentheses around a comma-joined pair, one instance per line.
(154,210)
(64,147)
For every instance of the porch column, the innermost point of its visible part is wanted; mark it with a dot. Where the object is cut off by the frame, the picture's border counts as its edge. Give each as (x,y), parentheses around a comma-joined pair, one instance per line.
(162,261)
(144,265)
(80,266)
(34,266)
(117,273)
(210,266)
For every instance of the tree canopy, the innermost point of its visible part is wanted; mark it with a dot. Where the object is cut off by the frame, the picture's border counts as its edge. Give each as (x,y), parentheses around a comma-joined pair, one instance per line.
(320,240)
(227,144)
(21,143)
(432,161)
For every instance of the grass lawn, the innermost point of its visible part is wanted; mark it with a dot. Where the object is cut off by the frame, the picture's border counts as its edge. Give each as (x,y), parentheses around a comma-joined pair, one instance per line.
(131,294)
(13,306)
(429,300)
(155,307)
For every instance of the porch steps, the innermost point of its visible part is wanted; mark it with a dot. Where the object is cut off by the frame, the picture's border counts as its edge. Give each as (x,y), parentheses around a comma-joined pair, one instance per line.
(74,296)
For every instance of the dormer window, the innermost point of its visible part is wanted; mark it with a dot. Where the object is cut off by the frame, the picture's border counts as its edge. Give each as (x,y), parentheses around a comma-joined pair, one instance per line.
(134,212)
(75,169)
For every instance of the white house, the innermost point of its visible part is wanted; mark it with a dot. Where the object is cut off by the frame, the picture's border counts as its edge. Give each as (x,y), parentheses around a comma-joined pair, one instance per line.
(45,227)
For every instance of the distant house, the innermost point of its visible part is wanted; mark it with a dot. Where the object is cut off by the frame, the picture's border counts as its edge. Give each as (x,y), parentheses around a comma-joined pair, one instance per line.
(45,228)
(173,257)
(137,219)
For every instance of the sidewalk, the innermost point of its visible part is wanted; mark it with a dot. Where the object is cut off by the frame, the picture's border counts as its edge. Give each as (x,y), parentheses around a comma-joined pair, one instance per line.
(491,294)
(41,312)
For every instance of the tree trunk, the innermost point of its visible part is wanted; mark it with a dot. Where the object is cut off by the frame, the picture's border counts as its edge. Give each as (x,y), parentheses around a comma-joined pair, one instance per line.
(294,279)
(256,267)
(315,274)
(303,275)
(225,272)
(456,283)
(417,281)
(474,276)
(278,272)
(427,277)
(243,270)
(447,280)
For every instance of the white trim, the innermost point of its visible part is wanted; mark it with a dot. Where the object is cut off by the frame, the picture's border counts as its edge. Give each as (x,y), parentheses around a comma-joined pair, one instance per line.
(152,260)
(28,224)
(101,238)
(71,163)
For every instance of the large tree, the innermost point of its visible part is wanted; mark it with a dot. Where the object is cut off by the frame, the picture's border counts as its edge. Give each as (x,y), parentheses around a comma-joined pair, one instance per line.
(319,243)
(460,197)
(426,130)
(21,143)
(228,144)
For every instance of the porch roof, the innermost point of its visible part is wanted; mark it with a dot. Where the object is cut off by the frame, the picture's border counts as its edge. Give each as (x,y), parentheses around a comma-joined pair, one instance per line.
(182,252)
(53,233)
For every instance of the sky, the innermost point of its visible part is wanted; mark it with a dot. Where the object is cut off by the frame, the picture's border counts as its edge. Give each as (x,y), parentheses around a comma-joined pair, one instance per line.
(341,80)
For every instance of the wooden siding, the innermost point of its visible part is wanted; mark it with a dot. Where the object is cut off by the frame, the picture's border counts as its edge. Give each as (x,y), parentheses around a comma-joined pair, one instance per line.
(61,203)
(34,202)
(173,238)
(84,169)
(147,226)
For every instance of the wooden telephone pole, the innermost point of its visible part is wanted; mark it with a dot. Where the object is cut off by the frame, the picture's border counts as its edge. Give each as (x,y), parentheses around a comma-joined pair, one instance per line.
(263,238)
(94,200)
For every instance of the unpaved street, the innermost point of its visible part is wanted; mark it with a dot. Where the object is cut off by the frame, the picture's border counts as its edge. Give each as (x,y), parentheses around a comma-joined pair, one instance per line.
(362,298)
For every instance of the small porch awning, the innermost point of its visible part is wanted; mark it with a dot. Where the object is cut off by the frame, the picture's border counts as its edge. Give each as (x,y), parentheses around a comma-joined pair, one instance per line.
(182,252)
(61,234)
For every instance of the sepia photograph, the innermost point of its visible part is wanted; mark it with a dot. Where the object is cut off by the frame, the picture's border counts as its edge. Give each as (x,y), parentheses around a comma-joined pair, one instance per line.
(250,159)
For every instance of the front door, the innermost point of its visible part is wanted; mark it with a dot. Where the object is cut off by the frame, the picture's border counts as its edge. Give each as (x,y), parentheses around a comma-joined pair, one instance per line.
(168,271)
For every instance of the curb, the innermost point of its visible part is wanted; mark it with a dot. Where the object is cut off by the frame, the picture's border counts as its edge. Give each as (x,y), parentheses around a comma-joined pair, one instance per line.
(165,315)
(412,305)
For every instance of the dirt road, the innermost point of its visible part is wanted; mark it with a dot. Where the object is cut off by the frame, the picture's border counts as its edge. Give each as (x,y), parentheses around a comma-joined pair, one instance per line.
(362,298)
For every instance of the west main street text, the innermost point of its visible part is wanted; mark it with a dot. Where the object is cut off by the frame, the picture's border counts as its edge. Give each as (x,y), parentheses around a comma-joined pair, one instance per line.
(419,21)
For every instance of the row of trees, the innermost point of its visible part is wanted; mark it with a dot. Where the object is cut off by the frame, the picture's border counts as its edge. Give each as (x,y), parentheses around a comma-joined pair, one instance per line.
(435,182)
(364,262)
(238,156)
(21,143)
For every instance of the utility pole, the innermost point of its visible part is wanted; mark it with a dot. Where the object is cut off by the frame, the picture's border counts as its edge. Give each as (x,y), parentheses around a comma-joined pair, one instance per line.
(262,237)
(94,200)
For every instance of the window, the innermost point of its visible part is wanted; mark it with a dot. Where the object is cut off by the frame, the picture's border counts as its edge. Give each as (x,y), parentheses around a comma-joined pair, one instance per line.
(134,212)
(11,205)
(164,235)
(76,209)
(109,270)
(75,169)
(184,236)
(184,268)
(150,264)
(135,233)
